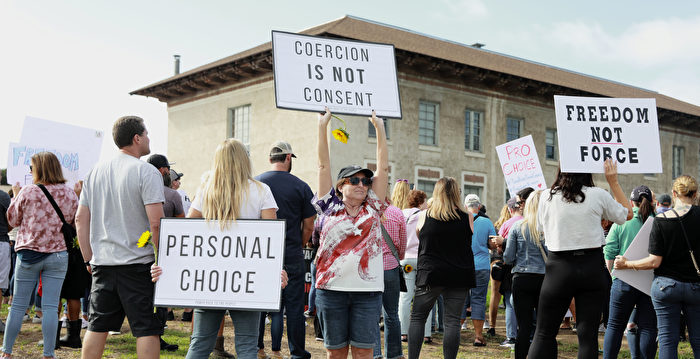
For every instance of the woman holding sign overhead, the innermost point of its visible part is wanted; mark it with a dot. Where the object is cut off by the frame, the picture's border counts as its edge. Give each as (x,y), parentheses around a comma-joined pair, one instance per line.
(228,193)
(349,266)
(569,214)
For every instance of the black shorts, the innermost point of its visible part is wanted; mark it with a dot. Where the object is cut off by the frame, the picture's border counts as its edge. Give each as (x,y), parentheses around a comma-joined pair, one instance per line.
(123,290)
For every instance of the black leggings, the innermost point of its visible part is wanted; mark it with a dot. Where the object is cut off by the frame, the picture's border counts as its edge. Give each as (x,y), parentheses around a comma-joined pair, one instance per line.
(578,274)
(526,294)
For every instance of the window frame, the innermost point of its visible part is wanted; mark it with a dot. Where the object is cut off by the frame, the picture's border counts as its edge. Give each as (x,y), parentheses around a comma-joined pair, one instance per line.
(436,121)
(469,130)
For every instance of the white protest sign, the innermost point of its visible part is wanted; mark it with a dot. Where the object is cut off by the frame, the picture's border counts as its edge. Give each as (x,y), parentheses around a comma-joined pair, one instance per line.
(206,267)
(349,77)
(638,249)
(19,159)
(86,142)
(591,129)
(520,164)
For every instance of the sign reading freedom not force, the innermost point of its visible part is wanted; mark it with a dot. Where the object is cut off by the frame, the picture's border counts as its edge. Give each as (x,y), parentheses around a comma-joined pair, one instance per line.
(591,129)
(349,77)
(206,267)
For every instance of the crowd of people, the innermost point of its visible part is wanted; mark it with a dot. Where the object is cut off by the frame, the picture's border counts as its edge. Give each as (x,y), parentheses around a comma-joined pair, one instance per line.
(396,259)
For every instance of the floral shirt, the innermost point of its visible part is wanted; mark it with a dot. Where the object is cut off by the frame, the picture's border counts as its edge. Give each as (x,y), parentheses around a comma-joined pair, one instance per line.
(349,258)
(39,225)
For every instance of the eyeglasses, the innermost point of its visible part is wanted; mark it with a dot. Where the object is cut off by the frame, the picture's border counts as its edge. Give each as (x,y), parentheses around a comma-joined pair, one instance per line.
(356,180)
(401,180)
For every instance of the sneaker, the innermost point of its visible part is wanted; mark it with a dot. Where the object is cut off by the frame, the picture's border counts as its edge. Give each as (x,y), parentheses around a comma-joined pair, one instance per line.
(319,339)
(601,328)
(310,314)
(187,316)
(171,316)
(84,324)
(487,326)
(36,319)
(508,343)
(168,347)
(2,327)
(491,332)
(464,326)
(115,332)
(26,318)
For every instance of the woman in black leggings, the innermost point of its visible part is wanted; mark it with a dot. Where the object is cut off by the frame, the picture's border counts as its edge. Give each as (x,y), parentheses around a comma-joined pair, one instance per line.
(570,214)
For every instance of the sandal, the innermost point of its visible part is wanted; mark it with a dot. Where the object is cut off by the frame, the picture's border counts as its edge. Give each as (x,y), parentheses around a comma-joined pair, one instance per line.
(427,340)
(404,338)
(479,342)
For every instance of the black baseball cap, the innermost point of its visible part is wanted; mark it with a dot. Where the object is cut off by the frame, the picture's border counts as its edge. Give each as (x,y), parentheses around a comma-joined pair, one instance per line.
(641,192)
(351,170)
(175,175)
(159,161)
(665,199)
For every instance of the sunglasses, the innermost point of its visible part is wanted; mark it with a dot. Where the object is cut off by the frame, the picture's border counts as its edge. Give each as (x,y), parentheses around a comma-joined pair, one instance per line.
(30,168)
(356,180)
(401,180)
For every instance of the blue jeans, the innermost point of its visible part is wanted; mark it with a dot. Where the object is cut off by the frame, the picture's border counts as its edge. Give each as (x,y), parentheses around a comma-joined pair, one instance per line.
(476,298)
(392,326)
(669,296)
(53,271)
(437,315)
(312,290)
(348,318)
(406,300)
(623,298)
(511,320)
(206,324)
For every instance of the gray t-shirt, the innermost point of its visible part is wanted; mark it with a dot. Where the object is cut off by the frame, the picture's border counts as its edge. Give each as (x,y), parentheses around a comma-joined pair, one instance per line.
(173,202)
(116,193)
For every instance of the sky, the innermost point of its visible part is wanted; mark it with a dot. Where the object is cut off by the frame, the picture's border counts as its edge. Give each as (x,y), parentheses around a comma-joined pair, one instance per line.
(76,61)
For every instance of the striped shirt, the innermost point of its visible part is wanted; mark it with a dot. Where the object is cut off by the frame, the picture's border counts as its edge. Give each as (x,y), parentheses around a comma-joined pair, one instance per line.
(395,224)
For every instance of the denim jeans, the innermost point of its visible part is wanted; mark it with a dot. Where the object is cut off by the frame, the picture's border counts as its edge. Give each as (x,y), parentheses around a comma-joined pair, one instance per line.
(348,318)
(476,298)
(312,290)
(623,298)
(511,319)
(669,297)
(406,299)
(206,324)
(293,306)
(53,271)
(424,301)
(437,315)
(392,326)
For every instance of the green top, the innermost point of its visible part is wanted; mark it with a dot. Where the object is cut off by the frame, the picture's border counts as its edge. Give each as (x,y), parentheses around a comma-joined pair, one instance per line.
(621,236)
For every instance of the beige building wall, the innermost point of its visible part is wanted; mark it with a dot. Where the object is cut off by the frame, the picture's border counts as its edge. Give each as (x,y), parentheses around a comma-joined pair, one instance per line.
(198,126)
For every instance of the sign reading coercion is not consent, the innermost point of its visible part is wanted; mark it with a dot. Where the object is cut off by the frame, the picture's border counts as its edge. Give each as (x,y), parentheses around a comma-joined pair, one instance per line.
(520,164)
(349,77)
(207,267)
(592,129)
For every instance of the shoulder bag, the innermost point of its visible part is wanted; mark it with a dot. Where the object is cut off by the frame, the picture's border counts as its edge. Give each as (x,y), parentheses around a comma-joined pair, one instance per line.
(68,231)
(390,243)
(690,248)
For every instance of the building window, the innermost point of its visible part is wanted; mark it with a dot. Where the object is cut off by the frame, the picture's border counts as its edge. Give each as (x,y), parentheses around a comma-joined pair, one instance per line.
(551,144)
(373,131)
(426,186)
(426,178)
(427,123)
(240,124)
(472,130)
(475,183)
(678,160)
(514,128)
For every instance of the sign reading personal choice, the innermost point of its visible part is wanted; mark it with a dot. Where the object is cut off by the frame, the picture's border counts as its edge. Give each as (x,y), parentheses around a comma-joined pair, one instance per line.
(592,129)
(207,267)
(349,77)
(19,160)
(520,164)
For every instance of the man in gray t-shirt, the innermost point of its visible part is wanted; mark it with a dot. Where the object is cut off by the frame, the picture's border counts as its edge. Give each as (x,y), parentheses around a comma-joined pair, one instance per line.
(121,198)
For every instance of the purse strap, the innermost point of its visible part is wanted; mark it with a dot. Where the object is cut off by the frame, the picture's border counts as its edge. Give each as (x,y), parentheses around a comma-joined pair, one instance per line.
(690,248)
(542,252)
(53,203)
(390,243)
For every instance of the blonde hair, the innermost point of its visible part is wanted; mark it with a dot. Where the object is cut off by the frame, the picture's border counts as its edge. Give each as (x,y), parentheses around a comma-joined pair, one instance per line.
(530,216)
(446,200)
(399,196)
(46,169)
(505,216)
(226,186)
(685,186)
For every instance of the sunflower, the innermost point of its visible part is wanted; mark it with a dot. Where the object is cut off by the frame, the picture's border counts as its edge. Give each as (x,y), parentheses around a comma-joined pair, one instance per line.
(144,239)
(341,135)
(408,268)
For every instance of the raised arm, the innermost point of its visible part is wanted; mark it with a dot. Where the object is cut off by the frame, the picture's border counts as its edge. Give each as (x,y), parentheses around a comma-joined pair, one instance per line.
(381,176)
(325,182)
(618,194)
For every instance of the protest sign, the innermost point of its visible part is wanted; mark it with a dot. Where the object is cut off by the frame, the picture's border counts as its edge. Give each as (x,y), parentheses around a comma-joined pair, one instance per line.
(591,129)
(520,165)
(349,77)
(638,249)
(19,159)
(85,142)
(207,267)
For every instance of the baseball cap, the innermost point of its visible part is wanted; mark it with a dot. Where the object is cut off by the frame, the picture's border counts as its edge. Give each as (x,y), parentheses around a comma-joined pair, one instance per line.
(472,199)
(665,199)
(174,175)
(281,148)
(159,161)
(640,192)
(351,170)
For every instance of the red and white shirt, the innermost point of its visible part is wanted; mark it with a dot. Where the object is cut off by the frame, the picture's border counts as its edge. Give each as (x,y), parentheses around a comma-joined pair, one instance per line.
(39,225)
(349,257)
(395,225)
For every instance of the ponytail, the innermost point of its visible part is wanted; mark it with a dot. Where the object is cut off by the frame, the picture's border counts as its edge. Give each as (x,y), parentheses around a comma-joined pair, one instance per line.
(646,208)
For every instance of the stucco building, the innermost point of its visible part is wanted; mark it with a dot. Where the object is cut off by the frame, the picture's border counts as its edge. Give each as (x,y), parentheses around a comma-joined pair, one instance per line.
(458,102)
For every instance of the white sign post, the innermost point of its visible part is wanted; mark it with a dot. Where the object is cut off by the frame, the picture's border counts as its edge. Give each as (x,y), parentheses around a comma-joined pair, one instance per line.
(591,129)
(206,267)
(638,249)
(520,165)
(19,159)
(349,77)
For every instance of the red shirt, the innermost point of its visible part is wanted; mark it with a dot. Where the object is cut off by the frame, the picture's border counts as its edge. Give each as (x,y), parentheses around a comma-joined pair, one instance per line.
(395,224)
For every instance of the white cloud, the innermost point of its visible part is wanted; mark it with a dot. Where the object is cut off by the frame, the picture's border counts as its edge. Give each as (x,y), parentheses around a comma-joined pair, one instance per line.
(466,7)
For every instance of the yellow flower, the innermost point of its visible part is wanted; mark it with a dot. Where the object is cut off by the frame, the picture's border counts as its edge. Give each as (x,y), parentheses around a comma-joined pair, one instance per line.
(145,237)
(341,135)
(408,268)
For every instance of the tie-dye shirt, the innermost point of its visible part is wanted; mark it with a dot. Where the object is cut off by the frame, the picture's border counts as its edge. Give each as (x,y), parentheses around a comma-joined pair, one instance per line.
(349,258)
